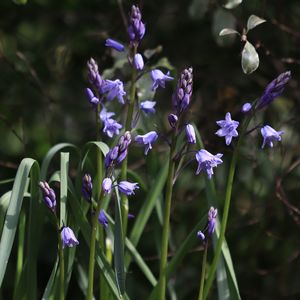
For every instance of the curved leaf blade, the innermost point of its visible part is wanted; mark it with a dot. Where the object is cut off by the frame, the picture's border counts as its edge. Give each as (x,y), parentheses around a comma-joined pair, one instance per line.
(250,59)
(254,21)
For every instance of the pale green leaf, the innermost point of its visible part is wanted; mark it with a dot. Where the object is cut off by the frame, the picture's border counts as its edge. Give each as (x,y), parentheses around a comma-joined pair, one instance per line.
(227,31)
(232,3)
(254,21)
(250,59)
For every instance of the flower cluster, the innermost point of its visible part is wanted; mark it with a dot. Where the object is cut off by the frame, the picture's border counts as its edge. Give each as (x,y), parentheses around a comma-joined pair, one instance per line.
(87,187)
(48,195)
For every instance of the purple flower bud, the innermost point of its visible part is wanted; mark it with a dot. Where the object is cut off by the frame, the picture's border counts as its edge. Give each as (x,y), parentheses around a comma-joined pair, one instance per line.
(114,44)
(111,156)
(190,134)
(138,61)
(212,215)
(102,219)
(201,235)
(93,74)
(68,238)
(147,140)
(274,89)
(246,107)
(127,187)
(48,195)
(207,161)
(148,107)
(172,120)
(92,98)
(159,79)
(228,128)
(136,28)
(123,144)
(106,185)
(87,187)
(130,216)
(114,89)
(270,135)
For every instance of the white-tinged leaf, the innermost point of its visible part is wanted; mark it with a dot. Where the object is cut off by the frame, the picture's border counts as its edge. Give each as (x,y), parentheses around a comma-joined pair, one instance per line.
(250,59)
(254,21)
(232,3)
(227,31)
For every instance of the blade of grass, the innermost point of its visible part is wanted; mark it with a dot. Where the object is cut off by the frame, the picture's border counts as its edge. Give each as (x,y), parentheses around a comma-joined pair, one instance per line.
(49,287)
(4,203)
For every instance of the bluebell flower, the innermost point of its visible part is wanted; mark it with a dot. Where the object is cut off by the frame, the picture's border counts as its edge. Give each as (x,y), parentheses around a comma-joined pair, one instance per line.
(212,215)
(147,139)
(172,118)
(228,128)
(92,98)
(111,156)
(94,75)
(104,114)
(159,79)
(87,187)
(274,89)
(49,196)
(103,219)
(190,134)
(114,89)
(130,216)
(136,28)
(246,107)
(201,235)
(181,96)
(127,187)
(106,185)
(123,145)
(270,135)
(111,127)
(207,161)
(148,107)
(68,238)
(114,44)
(138,61)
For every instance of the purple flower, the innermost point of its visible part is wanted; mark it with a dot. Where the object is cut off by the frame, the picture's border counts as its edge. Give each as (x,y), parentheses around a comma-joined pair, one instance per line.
(114,44)
(93,74)
(130,216)
(111,127)
(190,134)
(228,128)
(136,28)
(102,219)
(159,79)
(184,90)
(92,98)
(212,215)
(246,107)
(148,107)
(274,89)
(147,140)
(68,237)
(111,156)
(114,89)
(127,187)
(172,120)
(87,187)
(207,161)
(106,185)
(270,135)
(48,195)
(201,235)
(104,114)
(138,61)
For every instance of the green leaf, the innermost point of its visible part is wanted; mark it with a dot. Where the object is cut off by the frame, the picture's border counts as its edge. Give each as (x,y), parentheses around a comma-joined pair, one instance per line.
(49,286)
(87,148)
(232,3)
(254,21)
(64,167)
(250,59)
(4,202)
(227,31)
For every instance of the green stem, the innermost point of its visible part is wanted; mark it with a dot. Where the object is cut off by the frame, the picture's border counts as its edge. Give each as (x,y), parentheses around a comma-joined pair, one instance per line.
(204,259)
(218,250)
(61,268)
(166,224)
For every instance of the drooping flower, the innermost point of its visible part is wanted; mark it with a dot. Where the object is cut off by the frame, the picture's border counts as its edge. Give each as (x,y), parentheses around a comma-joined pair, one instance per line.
(92,98)
(127,187)
(106,185)
(94,75)
(190,134)
(207,161)
(274,89)
(246,107)
(270,135)
(147,139)
(136,28)
(114,89)
(103,219)
(114,44)
(159,79)
(172,120)
(228,128)
(49,196)
(148,107)
(181,96)
(138,61)
(111,127)
(87,187)
(212,215)
(104,114)
(68,237)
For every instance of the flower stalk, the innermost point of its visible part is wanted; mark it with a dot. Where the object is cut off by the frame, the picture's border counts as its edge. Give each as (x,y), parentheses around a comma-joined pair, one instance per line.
(204,260)
(61,267)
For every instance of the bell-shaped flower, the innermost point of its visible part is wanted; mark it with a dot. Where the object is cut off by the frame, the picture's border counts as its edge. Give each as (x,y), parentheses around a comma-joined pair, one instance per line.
(159,79)
(127,187)
(114,44)
(190,134)
(114,89)
(68,238)
(103,219)
(270,135)
(138,61)
(111,127)
(228,128)
(106,185)
(148,107)
(147,140)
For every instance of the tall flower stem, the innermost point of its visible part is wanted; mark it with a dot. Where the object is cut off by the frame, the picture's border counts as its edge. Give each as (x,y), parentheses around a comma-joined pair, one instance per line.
(166,224)
(61,268)
(231,173)
(124,199)
(204,259)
